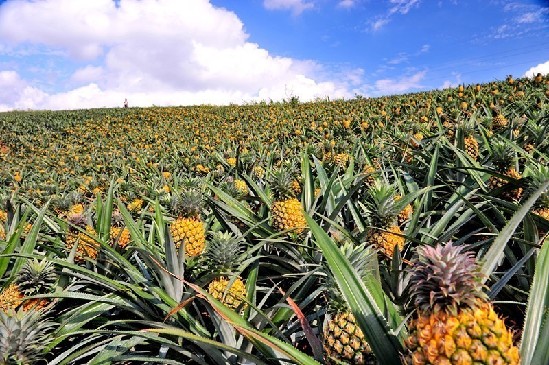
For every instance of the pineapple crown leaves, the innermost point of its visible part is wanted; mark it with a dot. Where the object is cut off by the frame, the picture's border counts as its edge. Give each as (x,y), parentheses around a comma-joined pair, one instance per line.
(381,203)
(364,262)
(536,176)
(445,278)
(24,335)
(187,203)
(503,154)
(37,277)
(224,251)
(281,183)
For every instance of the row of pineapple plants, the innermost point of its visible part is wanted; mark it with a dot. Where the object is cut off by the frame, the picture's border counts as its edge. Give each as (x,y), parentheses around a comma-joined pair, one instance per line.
(161,257)
(379,197)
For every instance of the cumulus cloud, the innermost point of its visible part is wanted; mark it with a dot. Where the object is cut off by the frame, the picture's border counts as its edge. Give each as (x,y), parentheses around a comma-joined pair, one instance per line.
(296,6)
(15,93)
(401,85)
(162,52)
(542,68)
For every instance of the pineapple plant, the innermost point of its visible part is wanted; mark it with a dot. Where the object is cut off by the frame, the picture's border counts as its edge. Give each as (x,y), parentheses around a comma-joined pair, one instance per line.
(119,234)
(470,143)
(538,175)
(81,233)
(24,336)
(503,158)
(384,209)
(343,340)
(454,323)
(223,254)
(188,228)
(286,210)
(35,277)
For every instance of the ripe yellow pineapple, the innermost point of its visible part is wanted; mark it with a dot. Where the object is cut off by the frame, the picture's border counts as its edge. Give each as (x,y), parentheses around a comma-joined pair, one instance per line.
(341,159)
(232,296)
(241,186)
(499,121)
(384,233)
(286,210)
(188,228)
(471,146)
(454,323)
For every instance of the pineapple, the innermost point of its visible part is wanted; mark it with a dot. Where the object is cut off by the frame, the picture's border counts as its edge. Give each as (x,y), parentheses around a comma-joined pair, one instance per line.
(223,254)
(286,210)
(470,143)
(405,214)
(188,228)
(119,234)
(35,277)
(471,146)
(24,336)
(499,121)
(135,205)
(384,234)
(343,340)
(241,186)
(416,139)
(341,159)
(80,233)
(454,322)
(503,159)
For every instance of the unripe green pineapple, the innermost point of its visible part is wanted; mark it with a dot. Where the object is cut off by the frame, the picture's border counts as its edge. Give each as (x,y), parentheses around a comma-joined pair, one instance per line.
(286,211)
(188,228)
(454,322)
(225,252)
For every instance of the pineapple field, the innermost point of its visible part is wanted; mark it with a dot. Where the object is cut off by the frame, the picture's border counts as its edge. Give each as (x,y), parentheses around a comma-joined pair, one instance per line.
(409,229)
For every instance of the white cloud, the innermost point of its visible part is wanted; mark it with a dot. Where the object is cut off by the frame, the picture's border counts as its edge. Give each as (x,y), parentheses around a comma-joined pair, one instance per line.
(404,84)
(379,23)
(347,3)
(15,93)
(87,74)
(542,68)
(402,6)
(161,52)
(296,6)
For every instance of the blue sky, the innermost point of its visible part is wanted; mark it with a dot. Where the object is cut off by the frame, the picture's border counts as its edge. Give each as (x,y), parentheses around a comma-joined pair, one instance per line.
(67,54)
